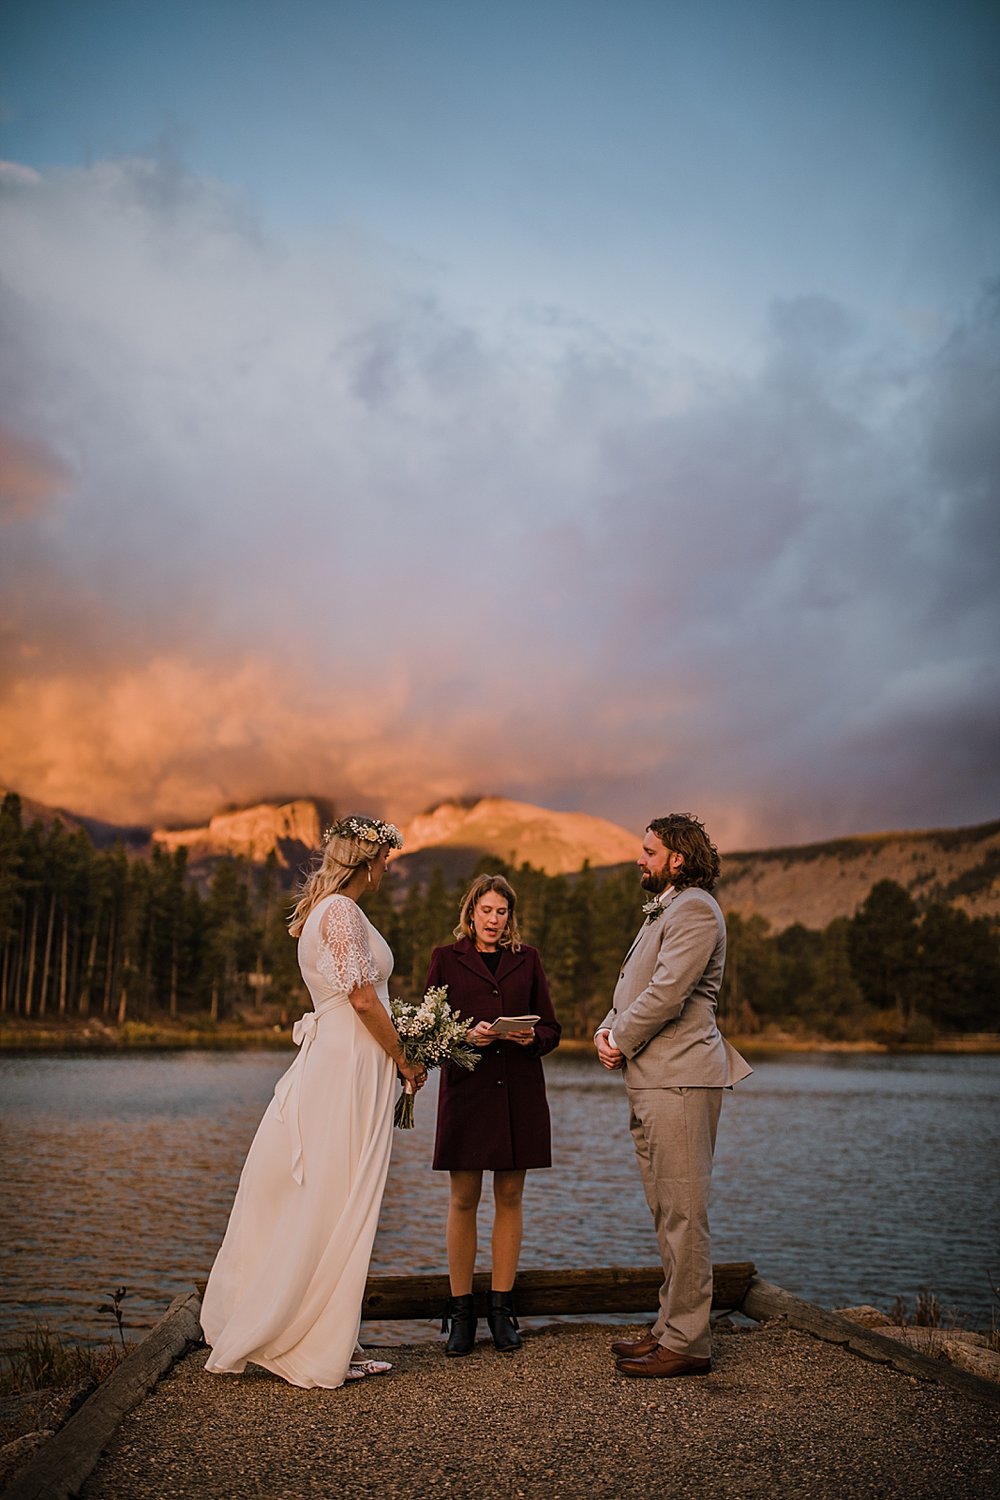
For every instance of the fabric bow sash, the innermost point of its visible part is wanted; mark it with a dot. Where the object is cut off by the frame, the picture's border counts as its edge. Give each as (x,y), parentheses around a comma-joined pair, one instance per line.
(303,1033)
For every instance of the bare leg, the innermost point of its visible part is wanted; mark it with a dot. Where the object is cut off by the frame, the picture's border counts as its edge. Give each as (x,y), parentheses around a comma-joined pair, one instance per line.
(466,1188)
(508,1190)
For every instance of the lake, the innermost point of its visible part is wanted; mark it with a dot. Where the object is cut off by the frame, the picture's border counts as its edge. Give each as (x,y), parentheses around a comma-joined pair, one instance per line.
(846,1179)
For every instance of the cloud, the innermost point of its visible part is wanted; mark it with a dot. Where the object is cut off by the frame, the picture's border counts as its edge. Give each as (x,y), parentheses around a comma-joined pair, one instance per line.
(282,520)
(14,172)
(30,478)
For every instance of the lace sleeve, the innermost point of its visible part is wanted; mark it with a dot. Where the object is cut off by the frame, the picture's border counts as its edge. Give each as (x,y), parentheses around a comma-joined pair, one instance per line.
(343,957)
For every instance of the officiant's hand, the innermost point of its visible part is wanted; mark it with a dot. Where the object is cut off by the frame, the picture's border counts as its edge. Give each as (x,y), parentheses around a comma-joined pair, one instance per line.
(481,1035)
(522,1038)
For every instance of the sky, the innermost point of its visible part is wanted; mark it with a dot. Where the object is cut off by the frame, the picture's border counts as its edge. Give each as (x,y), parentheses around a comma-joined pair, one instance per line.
(592,402)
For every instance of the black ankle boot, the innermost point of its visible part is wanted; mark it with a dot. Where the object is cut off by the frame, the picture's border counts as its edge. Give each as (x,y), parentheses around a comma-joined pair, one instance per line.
(461,1314)
(503,1323)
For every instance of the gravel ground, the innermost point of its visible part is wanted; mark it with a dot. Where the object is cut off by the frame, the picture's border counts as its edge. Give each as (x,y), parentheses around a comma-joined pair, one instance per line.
(782,1413)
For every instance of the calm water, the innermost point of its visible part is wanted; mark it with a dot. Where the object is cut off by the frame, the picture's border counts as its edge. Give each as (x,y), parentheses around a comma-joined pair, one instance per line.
(846,1179)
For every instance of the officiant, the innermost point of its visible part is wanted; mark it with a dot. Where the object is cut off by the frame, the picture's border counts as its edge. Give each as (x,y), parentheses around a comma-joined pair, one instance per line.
(495,1118)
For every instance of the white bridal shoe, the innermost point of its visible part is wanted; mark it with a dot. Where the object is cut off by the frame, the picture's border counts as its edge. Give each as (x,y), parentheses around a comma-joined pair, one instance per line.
(359,1368)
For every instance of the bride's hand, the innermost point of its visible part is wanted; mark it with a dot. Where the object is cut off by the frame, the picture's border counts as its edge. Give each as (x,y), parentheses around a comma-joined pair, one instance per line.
(412,1073)
(481,1035)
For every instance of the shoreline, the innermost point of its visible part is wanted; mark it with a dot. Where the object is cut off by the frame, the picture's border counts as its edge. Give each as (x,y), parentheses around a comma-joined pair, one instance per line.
(18,1036)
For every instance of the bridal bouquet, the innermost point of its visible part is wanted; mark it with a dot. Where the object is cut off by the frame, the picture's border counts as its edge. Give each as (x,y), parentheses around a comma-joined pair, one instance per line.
(431,1034)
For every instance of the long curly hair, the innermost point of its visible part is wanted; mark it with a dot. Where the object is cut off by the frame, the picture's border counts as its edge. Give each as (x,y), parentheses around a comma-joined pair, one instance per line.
(510,937)
(685,834)
(333,867)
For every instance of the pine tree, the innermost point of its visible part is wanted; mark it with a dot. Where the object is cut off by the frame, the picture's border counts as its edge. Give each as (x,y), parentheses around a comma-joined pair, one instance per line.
(230,937)
(883,947)
(11,896)
(958,984)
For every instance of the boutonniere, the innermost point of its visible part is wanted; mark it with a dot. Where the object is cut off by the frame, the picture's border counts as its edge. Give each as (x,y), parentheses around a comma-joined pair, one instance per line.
(652,910)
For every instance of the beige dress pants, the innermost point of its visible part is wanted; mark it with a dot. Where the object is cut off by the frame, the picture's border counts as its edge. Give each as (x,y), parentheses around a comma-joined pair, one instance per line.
(673,1131)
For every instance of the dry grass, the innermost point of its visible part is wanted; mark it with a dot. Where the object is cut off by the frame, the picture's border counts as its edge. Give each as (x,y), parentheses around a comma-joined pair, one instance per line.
(43,1360)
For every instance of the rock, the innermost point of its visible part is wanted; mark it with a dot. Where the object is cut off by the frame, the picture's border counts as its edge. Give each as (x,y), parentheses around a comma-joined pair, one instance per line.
(929,1340)
(865,1316)
(30,1411)
(252,832)
(973,1358)
(13,1456)
(519,832)
(961,1347)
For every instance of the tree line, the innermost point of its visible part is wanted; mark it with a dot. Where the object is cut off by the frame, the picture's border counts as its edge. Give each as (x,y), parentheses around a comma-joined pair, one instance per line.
(95,932)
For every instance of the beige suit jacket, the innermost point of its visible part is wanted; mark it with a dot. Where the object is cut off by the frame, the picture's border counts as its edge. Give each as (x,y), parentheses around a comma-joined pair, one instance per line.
(663,1009)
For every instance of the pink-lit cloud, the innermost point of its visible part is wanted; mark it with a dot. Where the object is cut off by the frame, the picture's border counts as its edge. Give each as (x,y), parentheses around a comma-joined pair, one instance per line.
(284,522)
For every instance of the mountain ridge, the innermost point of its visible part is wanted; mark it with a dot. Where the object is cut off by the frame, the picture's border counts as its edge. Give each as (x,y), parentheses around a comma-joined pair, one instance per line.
(522,833)
(254,832)
(807,883)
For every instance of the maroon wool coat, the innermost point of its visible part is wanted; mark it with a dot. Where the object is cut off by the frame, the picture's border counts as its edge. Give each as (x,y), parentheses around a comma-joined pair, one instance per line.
(495,1117)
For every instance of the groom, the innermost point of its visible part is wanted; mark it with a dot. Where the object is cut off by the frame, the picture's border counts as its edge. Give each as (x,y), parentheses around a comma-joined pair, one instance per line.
(661,1032)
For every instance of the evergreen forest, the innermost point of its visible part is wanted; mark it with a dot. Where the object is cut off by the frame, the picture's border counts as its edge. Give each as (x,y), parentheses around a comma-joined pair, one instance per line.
(100,933)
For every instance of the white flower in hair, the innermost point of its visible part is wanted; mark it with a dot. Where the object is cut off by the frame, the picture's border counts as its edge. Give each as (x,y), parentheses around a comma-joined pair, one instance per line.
(368,830)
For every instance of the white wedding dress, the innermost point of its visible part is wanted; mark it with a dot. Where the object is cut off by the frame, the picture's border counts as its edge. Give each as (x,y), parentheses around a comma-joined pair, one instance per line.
(287,1284)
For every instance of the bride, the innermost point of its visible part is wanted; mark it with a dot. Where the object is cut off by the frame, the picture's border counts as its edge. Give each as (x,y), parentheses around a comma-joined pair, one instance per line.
(287,1285)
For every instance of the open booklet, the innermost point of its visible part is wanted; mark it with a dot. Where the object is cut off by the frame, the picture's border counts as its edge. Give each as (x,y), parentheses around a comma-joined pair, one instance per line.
(504,1025)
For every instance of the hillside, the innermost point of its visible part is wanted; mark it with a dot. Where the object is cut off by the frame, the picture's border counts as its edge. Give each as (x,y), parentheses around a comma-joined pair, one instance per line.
(813,883)
(809,883)
(102,835)
(519,833)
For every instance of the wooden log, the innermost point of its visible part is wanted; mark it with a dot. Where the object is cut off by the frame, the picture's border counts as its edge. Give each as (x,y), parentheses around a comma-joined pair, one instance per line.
(62,1465)
(619,1289)
(763,1300)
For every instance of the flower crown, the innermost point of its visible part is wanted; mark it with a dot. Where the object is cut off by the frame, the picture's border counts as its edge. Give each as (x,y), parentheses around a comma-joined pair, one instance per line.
(369,830)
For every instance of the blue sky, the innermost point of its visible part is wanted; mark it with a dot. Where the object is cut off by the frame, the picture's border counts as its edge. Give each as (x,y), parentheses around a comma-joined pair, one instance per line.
(591,402)
(664,169)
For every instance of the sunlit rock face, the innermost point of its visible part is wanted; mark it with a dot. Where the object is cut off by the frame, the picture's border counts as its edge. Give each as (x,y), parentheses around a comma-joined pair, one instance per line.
(517,832)
(252,832)
(557,842)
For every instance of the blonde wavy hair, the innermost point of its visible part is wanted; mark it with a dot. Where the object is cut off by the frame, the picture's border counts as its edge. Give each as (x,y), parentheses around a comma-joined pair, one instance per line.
(336,862)
(510,937)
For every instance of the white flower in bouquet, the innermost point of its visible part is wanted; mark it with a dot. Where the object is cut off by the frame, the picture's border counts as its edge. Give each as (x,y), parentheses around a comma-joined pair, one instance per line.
(432,1035)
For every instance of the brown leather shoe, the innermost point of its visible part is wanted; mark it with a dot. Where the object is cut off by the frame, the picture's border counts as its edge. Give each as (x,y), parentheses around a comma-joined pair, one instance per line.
(663,1363)
(635,1348)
